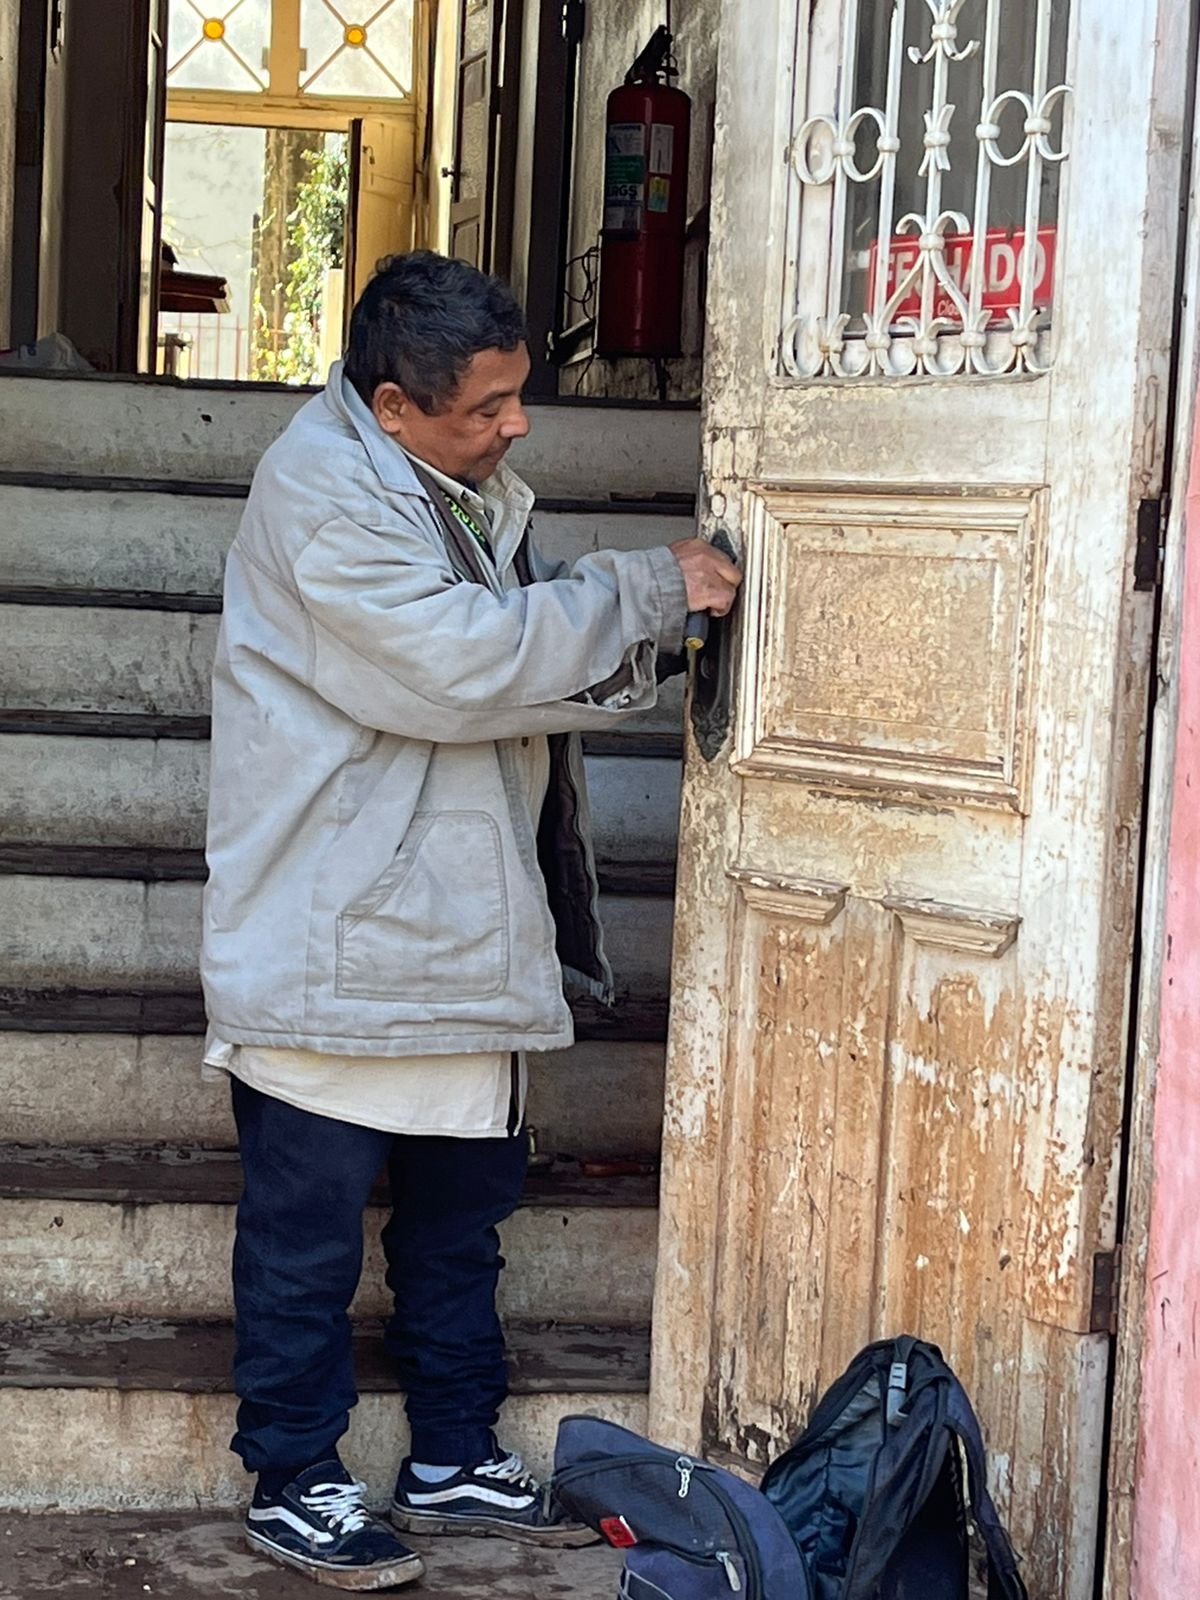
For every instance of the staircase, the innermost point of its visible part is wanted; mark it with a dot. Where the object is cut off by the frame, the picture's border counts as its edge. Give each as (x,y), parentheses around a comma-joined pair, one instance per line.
(119,1178)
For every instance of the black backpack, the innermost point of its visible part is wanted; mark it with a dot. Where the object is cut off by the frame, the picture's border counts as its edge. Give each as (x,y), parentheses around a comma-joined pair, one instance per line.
(869,1497)
(872,1490)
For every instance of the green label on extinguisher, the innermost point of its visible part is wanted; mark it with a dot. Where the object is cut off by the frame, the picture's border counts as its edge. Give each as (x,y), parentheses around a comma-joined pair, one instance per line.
(624,176)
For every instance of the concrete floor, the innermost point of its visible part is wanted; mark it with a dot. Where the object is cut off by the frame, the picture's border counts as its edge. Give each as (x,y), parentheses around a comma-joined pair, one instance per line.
(131,1555)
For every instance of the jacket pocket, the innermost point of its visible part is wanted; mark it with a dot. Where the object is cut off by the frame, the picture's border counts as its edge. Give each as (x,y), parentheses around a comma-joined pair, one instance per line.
(434,925)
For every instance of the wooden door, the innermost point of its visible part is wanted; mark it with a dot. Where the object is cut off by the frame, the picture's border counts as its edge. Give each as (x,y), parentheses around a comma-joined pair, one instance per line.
(382,175)
(474,133)
(141,188)
(936,396)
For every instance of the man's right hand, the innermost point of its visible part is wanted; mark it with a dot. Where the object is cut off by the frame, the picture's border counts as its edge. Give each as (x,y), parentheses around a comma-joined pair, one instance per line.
(712,579)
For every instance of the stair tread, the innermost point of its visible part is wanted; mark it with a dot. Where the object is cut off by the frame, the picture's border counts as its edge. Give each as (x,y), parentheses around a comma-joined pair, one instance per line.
(635,1018)
(194,1556)
(196,1175)
(195,1357)
(152,864)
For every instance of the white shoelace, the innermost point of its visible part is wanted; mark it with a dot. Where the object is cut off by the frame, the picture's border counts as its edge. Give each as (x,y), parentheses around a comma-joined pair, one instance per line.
(511,1470)
(341,1505)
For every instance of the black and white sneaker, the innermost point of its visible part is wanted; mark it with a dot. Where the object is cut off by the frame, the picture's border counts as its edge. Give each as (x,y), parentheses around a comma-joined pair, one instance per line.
(319,1525)
(498,1498)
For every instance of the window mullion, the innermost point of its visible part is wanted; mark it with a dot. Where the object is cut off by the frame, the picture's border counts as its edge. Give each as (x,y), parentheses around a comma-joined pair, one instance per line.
(286,58)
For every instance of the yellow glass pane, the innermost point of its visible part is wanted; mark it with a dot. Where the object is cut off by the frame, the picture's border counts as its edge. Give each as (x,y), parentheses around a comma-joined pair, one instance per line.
(357,47)
(218,44)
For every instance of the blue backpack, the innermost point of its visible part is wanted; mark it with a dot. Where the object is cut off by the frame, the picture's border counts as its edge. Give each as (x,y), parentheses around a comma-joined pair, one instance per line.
(867,1504)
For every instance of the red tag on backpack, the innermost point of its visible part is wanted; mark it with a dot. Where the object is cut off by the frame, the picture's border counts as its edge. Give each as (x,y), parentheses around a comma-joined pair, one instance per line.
(618,1532)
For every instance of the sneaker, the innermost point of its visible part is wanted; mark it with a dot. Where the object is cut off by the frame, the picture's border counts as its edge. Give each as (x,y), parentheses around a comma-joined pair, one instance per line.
(497,1497)
(319,1525)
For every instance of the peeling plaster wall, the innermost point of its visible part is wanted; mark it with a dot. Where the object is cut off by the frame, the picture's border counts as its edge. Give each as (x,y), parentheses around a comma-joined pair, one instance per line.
(1167,1504)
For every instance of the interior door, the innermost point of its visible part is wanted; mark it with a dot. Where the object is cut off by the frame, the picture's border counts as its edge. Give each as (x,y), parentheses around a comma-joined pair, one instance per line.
(382,179)
(138,332)
(474,133)
(935,402)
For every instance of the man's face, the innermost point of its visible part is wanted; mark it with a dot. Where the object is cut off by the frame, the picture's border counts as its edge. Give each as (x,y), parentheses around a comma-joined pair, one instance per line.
(467,438)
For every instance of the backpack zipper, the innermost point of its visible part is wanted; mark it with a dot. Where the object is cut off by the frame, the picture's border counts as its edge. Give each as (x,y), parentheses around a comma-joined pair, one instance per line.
(686,1467)
(731,1572)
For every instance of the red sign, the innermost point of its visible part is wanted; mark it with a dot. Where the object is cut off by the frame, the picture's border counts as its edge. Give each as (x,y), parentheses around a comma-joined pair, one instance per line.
(1003,270)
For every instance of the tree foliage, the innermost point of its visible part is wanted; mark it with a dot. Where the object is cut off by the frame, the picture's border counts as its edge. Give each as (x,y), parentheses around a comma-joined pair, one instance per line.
(316,228)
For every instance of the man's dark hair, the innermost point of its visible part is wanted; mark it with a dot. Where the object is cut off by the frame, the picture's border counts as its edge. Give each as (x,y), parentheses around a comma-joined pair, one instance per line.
(420,322)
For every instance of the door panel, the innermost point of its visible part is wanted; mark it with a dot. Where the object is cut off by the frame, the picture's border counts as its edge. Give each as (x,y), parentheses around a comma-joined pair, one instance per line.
(149,142)
(474,134)
(902,962)
(381,185)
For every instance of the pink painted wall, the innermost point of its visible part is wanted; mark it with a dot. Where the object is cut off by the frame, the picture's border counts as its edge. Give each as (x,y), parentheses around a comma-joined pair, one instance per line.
(1167,1507)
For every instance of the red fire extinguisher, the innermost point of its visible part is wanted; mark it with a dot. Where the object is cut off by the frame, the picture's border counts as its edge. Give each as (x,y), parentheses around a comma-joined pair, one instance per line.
(645,209)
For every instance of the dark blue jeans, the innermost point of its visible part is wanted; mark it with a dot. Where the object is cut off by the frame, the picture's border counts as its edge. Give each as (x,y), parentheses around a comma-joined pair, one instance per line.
(296,1265)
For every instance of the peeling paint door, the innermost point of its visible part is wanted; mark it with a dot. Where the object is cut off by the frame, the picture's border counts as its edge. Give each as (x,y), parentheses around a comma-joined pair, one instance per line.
(943,280)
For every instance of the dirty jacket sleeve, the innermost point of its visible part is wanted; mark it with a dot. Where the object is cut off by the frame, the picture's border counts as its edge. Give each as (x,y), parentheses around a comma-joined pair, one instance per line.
(399,644)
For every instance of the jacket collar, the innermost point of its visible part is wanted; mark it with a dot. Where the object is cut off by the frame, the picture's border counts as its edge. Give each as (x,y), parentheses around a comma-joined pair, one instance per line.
(389,460)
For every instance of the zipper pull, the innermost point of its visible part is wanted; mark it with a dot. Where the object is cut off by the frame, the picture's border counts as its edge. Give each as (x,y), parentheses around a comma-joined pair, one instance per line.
(731,1572)
(683,1466)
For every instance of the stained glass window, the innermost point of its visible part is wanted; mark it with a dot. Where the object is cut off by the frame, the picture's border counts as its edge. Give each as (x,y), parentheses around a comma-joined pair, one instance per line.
(357,47)
(218,44)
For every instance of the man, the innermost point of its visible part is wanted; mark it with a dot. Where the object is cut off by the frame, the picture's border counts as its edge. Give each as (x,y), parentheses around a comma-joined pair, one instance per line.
(399,882)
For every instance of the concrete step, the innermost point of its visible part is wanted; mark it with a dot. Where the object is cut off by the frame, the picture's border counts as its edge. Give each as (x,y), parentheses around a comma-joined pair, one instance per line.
(95,659)
(138,546)
(132,1412)
(124,1556)
(597,1099)
(154,430)
(113,934)
(92,1233)
(152,794)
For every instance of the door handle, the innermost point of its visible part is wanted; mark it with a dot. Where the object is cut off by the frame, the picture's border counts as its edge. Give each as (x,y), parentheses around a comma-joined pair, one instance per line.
(712,647)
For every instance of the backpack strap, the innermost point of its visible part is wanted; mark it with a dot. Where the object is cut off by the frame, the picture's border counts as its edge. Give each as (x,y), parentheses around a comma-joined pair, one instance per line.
(1004,1580)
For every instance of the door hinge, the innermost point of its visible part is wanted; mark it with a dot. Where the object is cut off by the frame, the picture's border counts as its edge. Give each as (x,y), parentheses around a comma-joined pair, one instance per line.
(574,13)
(1148,545)
(1106,1284)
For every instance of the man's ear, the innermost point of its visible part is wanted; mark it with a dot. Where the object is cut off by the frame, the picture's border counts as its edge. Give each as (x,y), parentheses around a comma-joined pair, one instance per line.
(390,407)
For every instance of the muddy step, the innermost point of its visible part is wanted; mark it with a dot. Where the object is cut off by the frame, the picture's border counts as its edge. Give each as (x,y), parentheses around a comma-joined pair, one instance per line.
(131,1231)
(124,1555)
(128,548)
(597,1099)
(152,794)
(150,431)
(130,1353)
(173,1173)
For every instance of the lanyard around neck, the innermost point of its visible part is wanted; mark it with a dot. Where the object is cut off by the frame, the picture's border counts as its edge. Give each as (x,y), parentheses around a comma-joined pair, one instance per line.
(462,515)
